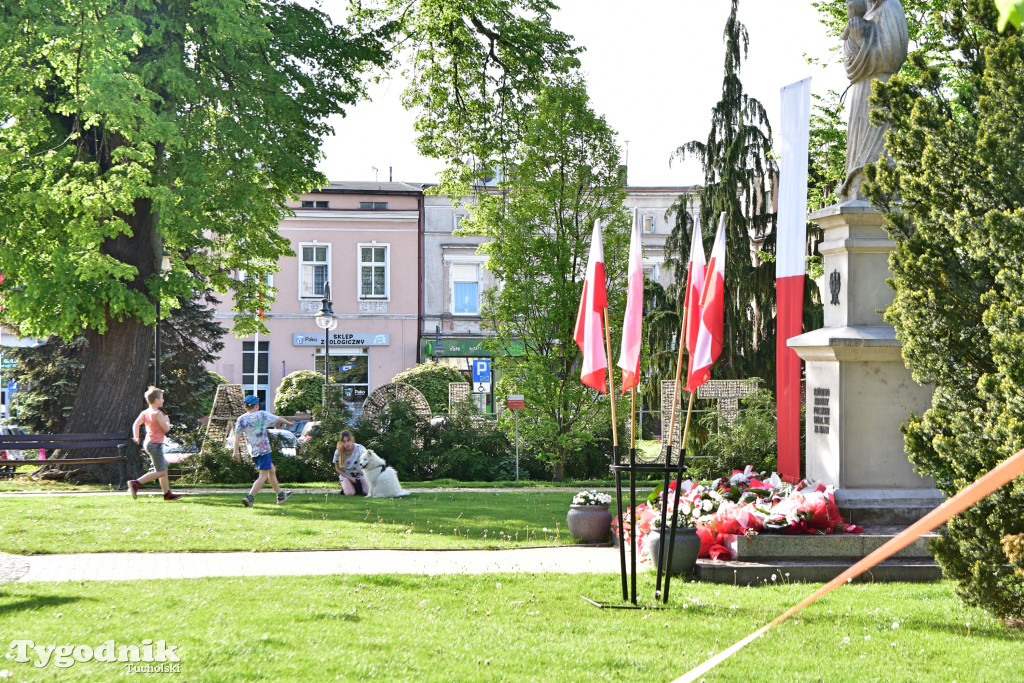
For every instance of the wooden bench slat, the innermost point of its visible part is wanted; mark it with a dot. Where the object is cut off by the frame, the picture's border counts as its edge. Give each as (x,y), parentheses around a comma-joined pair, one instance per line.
(68,461)
(15,442)
(53,445)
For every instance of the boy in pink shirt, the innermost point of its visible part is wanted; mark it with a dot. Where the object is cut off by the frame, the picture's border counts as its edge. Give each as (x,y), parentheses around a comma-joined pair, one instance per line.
(157,425)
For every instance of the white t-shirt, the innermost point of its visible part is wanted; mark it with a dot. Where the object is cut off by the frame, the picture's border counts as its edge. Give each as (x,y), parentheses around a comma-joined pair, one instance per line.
(351,464)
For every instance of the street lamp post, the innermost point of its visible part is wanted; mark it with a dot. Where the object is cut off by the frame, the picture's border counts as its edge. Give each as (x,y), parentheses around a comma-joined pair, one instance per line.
(165,265)
(326,321)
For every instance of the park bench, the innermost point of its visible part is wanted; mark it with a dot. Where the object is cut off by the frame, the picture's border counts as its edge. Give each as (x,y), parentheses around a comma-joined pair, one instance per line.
(65,442)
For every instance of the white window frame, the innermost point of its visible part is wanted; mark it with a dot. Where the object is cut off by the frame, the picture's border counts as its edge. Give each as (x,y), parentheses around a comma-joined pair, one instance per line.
(387,270)
(647,223)
(458,218)
(452,263)
(268,278)
(302,263)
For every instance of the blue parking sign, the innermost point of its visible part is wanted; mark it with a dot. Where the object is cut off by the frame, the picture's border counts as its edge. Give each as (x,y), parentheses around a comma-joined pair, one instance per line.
(481,370)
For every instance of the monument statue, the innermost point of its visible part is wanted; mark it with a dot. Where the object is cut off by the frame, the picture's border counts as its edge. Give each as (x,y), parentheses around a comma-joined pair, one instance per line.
(875,47)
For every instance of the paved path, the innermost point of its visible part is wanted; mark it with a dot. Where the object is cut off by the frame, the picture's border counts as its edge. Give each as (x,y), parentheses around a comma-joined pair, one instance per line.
(188,565)
(129,566)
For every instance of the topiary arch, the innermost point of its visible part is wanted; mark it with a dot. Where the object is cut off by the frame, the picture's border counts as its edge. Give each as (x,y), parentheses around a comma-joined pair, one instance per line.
(379,398)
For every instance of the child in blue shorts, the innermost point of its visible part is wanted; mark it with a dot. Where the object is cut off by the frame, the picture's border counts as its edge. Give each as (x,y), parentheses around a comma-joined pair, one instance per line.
(253,426)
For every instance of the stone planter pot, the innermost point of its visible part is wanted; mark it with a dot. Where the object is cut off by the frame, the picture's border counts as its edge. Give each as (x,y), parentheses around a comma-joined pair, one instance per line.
(684,550)
(589,523)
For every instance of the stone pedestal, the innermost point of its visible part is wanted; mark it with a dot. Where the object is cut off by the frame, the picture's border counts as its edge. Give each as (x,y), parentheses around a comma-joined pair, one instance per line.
(859,391)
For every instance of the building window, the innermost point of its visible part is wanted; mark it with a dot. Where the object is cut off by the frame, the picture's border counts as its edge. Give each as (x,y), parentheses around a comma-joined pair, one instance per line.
(457,222)
(647,224)
(373,271)
(373,206)
(352,374)
(465,288)
(313,270)
(256,371)
(315,204)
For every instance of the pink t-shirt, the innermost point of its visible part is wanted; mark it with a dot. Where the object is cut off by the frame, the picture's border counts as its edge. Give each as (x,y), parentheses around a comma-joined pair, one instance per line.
(154,432)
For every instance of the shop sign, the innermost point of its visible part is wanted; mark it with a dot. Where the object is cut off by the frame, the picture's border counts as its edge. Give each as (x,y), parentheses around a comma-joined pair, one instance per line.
(343,339)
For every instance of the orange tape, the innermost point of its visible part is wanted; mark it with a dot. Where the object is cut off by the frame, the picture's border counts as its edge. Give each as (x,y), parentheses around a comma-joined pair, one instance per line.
(1001,475)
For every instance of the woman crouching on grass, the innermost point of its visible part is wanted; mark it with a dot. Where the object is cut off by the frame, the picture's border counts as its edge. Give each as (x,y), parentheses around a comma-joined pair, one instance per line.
(346,464)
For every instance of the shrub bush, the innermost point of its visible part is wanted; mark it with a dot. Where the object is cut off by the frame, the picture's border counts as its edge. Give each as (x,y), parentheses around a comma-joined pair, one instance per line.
(299,392)
(748,440)
(395,435)
(467,447)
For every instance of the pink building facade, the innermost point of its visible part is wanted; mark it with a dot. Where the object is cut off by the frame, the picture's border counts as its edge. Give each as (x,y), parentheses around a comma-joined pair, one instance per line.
(365,239)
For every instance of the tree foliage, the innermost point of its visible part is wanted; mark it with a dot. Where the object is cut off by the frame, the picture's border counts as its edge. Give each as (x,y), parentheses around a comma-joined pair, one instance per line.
(129,129)
(49,374)
(738,172)
(953,199)
(431,379)
(474,69)
(539,226)
(299,392)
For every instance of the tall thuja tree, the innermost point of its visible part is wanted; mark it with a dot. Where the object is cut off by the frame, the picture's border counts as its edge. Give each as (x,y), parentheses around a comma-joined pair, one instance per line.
(953,199)
(130,128)
(539,225)
(738,174)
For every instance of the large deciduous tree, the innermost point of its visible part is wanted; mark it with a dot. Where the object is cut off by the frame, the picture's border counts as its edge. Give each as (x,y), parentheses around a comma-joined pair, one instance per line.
(130,128)
(564,177)
(954,198)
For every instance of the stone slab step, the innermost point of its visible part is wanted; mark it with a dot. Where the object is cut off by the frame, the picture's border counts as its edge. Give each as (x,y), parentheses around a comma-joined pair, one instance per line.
(818,571)
(887,506)
(770,547)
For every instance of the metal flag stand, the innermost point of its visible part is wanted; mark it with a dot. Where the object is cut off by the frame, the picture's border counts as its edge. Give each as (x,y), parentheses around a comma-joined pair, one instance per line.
(665,550)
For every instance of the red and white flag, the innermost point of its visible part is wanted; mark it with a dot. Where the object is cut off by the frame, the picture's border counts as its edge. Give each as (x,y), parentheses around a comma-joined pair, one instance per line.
(629,358)
(588,319)
(790,266)
(695,274)
(712,316)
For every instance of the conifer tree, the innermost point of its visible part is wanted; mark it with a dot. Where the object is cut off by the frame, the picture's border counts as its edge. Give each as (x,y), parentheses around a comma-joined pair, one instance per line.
(953,201)
(738,180)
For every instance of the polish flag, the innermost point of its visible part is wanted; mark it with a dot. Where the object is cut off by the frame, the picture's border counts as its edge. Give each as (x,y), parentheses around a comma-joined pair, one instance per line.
(588,320)
(695,274)
(712,316)
(790,250)
(629,358)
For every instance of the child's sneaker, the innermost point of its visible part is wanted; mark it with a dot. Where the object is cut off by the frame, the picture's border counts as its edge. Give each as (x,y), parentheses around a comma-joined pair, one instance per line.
(172,496)
(283,496)
(133,488)
(247,501)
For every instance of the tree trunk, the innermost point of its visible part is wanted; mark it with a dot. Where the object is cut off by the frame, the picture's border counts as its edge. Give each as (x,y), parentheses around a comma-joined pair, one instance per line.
(116,362)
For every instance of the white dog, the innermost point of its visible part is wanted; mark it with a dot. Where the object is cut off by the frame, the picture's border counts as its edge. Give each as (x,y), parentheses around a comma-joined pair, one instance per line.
(382,479)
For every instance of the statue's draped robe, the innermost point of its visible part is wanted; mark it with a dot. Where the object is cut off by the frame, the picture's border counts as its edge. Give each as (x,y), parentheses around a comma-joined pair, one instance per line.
(878,53)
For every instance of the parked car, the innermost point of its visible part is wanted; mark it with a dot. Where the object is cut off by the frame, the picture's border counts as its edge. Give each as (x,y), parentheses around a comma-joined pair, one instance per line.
(280,439)
(296,427)
(11,430)
(174,451)
(309,430)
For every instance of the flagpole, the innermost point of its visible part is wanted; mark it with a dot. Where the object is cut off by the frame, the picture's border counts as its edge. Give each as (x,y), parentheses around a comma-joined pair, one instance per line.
(664,549)
(611,378)
(675,390)
(675,503)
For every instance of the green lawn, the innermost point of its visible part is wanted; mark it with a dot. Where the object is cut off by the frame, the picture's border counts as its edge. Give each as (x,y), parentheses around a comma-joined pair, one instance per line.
(308,521)
(507,627)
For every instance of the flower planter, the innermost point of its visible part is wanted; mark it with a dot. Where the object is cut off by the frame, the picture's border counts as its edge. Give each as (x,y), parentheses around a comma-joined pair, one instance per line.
(684,550)
(589,523)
